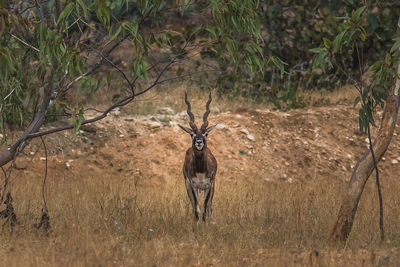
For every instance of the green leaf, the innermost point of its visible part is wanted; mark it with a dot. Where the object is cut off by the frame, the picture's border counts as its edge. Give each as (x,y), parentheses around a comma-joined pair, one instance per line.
(279,64)
(396,45)
(356,101)
(337,43)
(66,12)
(116,33)
(319,61)
(211,30)
(317,50)
(78,119)
(388,58)
(327,43)
(195,31)
(356,14)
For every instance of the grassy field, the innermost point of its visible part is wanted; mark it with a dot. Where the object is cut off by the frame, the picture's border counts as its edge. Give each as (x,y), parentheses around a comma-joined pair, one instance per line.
(107,218)
(107,221)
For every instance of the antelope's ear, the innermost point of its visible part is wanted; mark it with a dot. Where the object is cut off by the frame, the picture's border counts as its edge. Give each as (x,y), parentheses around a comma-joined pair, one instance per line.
(210,129)
(186,129)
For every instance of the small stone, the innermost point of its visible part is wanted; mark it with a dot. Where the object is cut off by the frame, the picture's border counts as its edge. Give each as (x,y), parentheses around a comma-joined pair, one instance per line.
(394,161)
(250,137)
(32,153)
(116,112)
(349,156)
(68,163)
(238,116)
(220,126)
(155,125)
(167,110)
(121,135)
(42,158)
(245,131)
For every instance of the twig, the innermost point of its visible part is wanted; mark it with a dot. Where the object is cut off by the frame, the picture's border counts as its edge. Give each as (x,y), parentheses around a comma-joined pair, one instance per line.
(45,176)
(4,99)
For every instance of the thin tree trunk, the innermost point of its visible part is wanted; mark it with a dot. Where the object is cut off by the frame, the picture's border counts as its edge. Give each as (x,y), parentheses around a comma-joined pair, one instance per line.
(365,165)
(10,153)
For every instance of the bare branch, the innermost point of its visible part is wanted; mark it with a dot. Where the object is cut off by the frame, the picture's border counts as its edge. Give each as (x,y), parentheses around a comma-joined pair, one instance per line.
(4,99)
(45,175)
(24,42)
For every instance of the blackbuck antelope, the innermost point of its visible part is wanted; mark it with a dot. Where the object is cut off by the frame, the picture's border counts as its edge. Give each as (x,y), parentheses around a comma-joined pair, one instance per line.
(200,165)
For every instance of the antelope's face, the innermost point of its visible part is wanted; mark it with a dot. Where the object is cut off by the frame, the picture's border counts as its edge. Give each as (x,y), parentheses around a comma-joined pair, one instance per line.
(199,140)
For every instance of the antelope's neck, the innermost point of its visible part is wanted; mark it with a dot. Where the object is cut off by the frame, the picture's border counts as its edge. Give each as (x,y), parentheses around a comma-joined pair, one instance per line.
(200,161)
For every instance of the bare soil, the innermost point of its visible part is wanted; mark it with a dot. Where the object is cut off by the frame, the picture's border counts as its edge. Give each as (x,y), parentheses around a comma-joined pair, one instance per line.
(293,146)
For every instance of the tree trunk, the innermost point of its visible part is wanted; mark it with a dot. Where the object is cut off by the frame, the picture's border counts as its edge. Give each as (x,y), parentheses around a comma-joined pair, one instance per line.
(10,153)
(365,165)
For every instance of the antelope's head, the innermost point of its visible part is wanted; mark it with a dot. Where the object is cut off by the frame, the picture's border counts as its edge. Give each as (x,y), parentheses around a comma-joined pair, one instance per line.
(199,136)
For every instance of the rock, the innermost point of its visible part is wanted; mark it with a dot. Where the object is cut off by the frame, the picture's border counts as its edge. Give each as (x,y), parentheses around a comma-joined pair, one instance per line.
(42,158)
(182,114)
(221,126)
(116,111)
(238,116)
(155,125)
(167,110)
(88,128)
(251,137)
(68,163)
(394,161)
(245,131)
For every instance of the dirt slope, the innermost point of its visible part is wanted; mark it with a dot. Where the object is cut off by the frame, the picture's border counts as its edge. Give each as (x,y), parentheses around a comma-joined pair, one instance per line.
(284,146)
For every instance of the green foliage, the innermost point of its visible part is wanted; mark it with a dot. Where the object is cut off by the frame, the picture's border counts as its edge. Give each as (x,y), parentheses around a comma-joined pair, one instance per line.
(350,40)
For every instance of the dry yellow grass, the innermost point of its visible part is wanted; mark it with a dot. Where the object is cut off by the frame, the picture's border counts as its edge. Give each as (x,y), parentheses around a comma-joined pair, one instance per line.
(107,221)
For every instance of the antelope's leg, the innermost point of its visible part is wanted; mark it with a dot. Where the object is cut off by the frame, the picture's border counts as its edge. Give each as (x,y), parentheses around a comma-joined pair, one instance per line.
(208,197)
(192,193)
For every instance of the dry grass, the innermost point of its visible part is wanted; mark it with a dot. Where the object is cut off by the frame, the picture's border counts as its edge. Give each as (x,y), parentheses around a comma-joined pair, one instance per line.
(108,221)
(172,96)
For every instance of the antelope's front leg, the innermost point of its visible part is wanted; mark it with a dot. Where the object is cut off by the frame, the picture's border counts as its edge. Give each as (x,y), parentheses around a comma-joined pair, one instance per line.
(208,197)
(192,193)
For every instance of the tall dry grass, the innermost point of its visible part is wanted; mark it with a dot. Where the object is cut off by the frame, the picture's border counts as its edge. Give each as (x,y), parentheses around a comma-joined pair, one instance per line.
(108,221)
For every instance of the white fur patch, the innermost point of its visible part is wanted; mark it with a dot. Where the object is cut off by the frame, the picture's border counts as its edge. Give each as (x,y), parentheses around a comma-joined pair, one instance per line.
(201,181)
